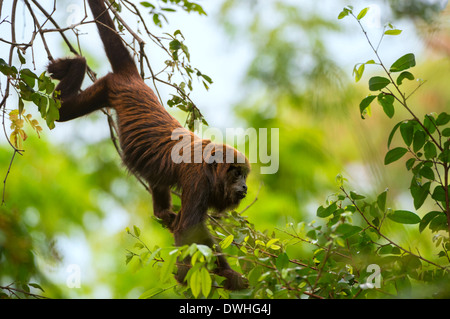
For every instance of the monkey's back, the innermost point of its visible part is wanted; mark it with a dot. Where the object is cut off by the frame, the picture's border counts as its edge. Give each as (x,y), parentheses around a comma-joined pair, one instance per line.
(145,130)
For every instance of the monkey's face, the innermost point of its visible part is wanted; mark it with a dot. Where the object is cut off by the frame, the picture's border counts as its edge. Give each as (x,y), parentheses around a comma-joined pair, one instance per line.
(230,169)
(236,177)
(235,187)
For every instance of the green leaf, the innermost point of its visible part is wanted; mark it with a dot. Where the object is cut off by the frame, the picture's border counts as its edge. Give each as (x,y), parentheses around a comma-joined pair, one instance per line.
(52,113)
(404,217)
(387,102)
(377,83)
(430,150)
(271,242)
(362,13)
(42,83)
(195,283)
(446,132)
(207,78)
(37,286)
(325,212)
(405,62)
(439,193)
(21,105)
(365,103)
(156,20)
(427,172)
(442,119)
(147,4)
(254,275)
(28,77)
(168,266)
(404,75)
(150,293)
(391,135)
(427,219)
(21,58)
(205,281)
(174,45)
(347,230)
(356,196)
(445,155)
(226,242)
(42,105)
(343,13)
(430,123)
(419,140)
(439,222)
(137,231)
(49,87)
(407,131)
(419,193)
(393,32)
(381,201)
(410,163)
(282,261)
(387,249)
(394,155)
(206,251)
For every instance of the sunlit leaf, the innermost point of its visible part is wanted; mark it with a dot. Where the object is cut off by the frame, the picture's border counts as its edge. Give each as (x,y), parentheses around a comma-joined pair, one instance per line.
(404,217)
(394,155)
(405,62)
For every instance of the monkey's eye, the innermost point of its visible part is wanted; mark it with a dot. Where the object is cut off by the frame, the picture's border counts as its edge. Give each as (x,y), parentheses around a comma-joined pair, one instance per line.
(236,173)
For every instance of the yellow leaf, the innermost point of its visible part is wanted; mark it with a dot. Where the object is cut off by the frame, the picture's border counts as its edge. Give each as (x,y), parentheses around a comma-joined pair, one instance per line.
(271,242)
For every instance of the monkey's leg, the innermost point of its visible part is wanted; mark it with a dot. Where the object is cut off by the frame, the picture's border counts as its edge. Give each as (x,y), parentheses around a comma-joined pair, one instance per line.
(70,72)
(190,228)
(162,205)
(74,103)
(93,98)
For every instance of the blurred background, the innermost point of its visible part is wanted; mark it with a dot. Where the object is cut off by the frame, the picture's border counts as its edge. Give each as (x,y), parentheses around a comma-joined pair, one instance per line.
(275,64)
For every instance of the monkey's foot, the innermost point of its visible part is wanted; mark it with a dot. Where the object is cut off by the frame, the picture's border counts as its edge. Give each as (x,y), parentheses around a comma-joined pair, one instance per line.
(166,217)
(234,280)
(59,68)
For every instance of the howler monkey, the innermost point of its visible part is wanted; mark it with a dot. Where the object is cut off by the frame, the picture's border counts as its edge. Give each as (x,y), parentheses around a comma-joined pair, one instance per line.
(146,133)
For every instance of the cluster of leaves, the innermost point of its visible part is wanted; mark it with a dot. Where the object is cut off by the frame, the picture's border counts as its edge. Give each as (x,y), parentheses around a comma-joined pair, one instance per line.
(18,135)
(31,87)
(427,141)
(170,6)
(181,62)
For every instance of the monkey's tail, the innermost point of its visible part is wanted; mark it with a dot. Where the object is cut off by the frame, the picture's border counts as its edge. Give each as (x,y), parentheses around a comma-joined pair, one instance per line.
(117,53)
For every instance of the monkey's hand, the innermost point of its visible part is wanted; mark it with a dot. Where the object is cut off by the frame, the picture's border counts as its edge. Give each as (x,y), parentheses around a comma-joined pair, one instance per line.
(62,68)
(234,280)
(166,218)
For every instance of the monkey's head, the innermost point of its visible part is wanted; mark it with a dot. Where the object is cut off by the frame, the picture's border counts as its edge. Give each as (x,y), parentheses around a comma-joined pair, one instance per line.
(228,169)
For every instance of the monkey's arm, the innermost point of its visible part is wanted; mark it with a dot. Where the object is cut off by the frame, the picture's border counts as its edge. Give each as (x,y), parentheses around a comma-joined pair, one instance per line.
(162,205)
(89,100)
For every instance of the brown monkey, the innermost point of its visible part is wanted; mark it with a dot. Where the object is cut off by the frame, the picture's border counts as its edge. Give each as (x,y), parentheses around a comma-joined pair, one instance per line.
(146,132)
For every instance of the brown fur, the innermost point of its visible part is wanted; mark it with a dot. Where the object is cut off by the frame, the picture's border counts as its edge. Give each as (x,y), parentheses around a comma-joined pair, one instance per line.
(145,131)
